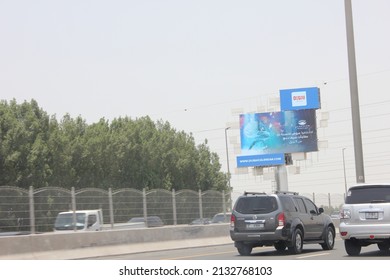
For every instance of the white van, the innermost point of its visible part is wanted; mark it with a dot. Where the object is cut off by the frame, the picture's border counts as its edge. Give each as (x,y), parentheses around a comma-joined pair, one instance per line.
(81,220)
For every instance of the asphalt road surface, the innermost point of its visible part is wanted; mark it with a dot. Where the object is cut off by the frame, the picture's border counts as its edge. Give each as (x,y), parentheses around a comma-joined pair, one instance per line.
(229,252)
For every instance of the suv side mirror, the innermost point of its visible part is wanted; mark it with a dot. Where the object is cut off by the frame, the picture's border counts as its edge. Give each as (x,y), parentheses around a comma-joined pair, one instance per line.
(321,210)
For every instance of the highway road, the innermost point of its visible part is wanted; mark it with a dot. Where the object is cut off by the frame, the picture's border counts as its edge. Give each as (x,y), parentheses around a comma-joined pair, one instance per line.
(229,252)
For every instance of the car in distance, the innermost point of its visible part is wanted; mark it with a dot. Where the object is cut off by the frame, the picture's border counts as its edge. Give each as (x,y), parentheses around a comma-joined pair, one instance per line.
(365,218)
(200,221)
(152,221)
(282,219)
(221,218)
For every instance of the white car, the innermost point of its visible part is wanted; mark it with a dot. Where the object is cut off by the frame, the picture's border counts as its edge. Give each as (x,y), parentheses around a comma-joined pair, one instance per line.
(365,218)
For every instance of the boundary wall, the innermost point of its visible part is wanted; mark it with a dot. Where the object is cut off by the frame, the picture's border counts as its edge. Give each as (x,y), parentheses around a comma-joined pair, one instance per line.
(34,243)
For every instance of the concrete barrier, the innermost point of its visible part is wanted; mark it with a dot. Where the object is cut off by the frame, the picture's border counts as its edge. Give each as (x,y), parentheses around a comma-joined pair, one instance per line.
(11,245)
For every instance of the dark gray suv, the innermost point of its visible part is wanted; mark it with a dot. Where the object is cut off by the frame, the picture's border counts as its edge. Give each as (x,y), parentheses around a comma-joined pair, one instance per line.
(282,219)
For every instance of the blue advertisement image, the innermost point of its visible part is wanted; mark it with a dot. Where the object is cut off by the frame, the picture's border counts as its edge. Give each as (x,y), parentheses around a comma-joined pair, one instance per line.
(278,132)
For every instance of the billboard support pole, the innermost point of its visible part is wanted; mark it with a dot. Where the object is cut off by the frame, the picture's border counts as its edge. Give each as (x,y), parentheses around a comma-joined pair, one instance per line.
(281,178)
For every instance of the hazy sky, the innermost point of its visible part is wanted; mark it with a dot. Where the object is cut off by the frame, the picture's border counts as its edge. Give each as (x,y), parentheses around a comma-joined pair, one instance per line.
(192,63)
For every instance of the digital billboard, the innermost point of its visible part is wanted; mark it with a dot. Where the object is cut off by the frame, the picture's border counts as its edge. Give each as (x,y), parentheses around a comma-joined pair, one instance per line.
(278,132)
(300,99)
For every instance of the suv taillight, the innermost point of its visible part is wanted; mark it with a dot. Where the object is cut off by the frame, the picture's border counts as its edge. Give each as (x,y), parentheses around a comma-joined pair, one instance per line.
(232,220)
(345,214)
(281,219)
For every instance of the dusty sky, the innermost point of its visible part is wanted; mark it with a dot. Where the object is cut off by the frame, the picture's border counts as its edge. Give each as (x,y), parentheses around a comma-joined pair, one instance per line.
(197,63)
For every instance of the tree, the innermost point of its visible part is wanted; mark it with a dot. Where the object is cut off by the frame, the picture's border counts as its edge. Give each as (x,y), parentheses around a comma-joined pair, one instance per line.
(24,132)
(37,150)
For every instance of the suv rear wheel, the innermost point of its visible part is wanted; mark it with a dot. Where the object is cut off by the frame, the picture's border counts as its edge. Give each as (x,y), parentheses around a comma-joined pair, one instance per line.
(297,242)
(280,246)
(244,249)
(384,246)
(352,247)
(329,239)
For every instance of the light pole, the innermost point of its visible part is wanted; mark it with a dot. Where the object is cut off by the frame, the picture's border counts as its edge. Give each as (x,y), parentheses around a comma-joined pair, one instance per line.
(353,84)
(227,156)
(345,178)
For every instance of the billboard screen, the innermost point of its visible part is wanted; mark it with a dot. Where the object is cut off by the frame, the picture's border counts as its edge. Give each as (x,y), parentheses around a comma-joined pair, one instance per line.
(278,132)
(299,99)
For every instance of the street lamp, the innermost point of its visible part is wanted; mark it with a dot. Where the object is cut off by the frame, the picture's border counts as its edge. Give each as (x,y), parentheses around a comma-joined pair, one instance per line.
(227,156)
(345,178)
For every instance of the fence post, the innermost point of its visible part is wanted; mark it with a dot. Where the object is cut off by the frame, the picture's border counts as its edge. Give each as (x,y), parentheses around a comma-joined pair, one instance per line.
(329,202)
(200,204)
(145,206)
(224,203)
(73,194)
(230,201)
(32,210)
(314,197)
(174,207)
(111,208)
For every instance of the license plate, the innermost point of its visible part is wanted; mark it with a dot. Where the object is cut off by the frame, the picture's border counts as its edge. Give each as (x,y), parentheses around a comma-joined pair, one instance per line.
(251,226)
(372,215)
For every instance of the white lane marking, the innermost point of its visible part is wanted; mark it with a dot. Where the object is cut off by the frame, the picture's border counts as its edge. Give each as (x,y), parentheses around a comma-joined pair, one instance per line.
(314,255)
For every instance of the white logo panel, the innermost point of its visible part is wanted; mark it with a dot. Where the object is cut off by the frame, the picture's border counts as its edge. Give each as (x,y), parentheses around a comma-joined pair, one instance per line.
(298,98)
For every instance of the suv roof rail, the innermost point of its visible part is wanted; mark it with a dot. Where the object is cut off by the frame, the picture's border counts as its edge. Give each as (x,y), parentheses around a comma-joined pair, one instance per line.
(286,192)
(253,193)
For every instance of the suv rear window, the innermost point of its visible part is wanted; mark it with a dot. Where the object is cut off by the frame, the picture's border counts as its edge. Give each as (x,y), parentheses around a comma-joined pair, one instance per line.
(288,204)
(369,194)
(256,204)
